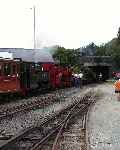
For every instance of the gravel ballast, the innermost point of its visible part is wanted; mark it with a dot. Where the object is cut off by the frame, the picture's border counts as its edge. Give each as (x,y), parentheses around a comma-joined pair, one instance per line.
(15,124)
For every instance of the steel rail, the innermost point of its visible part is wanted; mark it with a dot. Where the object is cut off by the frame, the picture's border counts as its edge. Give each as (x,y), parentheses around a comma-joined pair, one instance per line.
(61,126)
(54,147)
(28,130)
(30,105)
(19,136)
(39,144)
(54,130)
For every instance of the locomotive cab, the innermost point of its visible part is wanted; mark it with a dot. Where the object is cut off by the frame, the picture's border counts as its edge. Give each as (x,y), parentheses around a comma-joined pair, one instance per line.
(30,76)
(45,77)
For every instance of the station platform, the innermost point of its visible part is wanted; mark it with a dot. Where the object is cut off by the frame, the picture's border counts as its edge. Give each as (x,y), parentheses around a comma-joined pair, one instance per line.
(104,120)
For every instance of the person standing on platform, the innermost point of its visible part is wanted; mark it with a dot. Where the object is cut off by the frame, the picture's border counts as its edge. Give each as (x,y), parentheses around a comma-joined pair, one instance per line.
(117,88)
(80,79)
(100,76)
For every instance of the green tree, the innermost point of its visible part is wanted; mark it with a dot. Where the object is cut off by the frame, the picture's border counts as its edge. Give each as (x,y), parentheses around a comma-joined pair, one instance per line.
(101,51)
(65,56)
(118,35)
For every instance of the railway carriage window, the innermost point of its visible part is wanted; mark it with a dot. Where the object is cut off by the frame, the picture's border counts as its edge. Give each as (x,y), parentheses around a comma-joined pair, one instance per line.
(32,66)
(37,68)
(7,69)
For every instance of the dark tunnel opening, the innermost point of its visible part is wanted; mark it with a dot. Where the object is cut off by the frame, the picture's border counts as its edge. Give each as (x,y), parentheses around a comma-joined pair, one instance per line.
(104,70)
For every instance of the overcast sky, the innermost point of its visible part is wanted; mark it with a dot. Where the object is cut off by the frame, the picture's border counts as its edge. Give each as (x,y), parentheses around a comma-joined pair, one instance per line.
(69,23)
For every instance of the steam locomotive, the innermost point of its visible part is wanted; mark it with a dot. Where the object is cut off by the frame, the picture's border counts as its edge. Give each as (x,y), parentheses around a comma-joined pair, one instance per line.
(22,70)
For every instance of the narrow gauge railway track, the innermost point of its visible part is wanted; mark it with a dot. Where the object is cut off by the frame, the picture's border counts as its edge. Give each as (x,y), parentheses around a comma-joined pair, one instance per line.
(36,104)
(67,136)
(39,103)
(34,138)
(73,135)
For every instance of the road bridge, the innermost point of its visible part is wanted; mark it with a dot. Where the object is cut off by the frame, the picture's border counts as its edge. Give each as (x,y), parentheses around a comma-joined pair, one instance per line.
(98,64)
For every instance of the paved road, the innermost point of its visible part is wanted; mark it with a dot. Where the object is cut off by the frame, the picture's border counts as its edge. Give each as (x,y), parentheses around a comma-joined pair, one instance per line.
(104,120)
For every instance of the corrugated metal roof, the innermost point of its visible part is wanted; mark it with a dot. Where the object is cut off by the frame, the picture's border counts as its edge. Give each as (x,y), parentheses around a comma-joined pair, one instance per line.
(29,55)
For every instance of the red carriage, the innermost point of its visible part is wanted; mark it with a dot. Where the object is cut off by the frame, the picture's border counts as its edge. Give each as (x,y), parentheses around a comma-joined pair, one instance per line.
(31,69)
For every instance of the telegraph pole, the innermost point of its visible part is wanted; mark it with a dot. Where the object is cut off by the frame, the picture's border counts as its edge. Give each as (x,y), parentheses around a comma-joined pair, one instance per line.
(34,27)
(34,42)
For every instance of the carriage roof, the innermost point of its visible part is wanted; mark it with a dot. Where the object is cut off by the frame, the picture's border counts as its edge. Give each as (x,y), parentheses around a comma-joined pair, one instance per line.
(28,55)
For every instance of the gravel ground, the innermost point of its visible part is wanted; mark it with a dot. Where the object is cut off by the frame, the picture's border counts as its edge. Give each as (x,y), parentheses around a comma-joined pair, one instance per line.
(14,125)
(26,100)
(104,120)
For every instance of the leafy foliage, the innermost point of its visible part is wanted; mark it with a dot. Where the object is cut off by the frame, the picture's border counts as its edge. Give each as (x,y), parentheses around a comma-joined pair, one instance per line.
(72,56)
(66,56)
(89,50)
(112,49)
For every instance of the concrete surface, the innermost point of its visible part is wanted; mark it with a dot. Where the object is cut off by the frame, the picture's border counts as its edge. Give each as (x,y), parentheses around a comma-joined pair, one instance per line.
(104,120)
